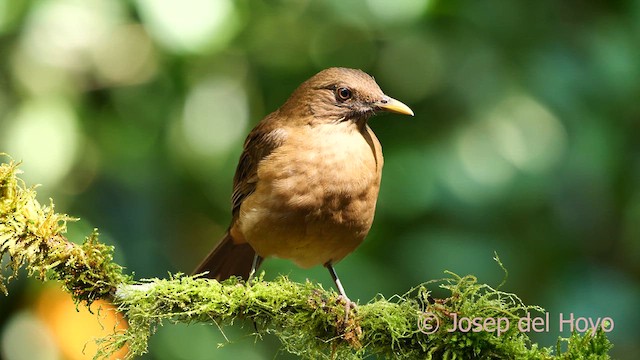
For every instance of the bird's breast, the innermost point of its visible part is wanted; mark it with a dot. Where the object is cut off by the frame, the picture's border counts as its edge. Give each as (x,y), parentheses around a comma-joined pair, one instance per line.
(325,170)
(316,194)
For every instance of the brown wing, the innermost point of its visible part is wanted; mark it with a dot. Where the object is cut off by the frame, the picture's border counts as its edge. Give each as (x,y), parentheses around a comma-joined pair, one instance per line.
(260,142)
(232,256)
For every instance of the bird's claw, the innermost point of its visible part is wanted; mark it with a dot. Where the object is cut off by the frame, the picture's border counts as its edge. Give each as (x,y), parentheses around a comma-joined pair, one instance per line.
(348,306)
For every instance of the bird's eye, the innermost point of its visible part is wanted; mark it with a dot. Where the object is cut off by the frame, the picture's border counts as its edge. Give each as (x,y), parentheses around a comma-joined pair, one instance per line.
(343,94)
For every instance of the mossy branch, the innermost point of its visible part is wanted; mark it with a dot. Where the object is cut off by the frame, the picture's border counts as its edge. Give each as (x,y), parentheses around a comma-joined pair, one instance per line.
(309,321)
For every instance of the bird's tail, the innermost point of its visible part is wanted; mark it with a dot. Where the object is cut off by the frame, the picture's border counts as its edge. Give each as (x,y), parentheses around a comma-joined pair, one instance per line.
(228,259)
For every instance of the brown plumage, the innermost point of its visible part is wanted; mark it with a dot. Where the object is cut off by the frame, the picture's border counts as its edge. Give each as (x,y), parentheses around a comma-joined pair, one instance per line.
(307,182)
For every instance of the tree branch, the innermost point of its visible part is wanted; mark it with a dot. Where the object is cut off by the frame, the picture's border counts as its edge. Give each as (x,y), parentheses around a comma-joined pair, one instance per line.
(309,321)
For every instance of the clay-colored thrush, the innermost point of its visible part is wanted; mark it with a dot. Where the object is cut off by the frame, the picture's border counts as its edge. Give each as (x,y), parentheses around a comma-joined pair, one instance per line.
(307,182)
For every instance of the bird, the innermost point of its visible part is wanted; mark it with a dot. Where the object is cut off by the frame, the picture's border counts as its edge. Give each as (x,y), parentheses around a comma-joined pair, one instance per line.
(307,181)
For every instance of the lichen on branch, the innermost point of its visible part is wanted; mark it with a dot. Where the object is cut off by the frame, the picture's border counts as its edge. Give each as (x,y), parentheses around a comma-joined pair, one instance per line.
(309,320)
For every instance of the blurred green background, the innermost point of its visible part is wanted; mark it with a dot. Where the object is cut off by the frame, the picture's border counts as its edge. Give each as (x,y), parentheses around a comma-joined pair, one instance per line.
(525,142)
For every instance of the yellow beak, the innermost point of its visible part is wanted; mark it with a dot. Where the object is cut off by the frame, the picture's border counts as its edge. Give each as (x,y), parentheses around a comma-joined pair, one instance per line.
(393,105)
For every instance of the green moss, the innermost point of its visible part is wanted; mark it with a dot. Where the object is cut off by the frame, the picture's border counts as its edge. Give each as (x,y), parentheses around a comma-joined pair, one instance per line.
(32,236)
(309,321)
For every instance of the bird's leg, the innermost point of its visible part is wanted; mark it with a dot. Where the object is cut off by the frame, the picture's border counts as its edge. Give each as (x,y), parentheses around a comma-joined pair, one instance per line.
(336,279)
(349,304)
(256,261)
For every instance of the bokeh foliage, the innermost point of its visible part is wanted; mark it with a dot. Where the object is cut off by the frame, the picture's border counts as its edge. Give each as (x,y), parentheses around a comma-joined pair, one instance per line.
(524,141)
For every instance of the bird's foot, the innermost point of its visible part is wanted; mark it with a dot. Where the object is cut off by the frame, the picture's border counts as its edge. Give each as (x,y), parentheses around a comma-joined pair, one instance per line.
(348,307)
(349,328)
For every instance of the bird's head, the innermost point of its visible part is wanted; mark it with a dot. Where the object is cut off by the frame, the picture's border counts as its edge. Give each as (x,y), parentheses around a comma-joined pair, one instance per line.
(341,94)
